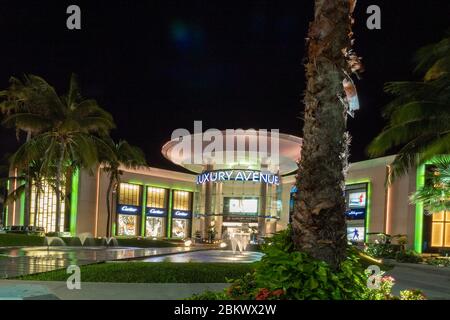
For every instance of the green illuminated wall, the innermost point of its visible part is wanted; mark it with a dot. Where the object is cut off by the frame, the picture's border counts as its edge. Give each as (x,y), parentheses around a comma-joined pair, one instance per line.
(144,208)
(74,201)
(7,206)
(418,229)
(169,216)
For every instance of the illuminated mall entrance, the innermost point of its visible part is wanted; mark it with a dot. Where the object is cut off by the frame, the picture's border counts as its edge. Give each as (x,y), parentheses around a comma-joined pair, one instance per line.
(239,206)
(243,195)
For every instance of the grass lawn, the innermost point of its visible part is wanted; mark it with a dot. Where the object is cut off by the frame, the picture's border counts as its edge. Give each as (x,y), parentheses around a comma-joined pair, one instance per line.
(148,272)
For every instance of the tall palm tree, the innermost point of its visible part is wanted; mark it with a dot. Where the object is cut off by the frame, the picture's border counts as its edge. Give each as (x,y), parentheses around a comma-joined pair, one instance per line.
(318,221)
(419,115)
(70,130)
(33,174)
(112,156)
(24,97)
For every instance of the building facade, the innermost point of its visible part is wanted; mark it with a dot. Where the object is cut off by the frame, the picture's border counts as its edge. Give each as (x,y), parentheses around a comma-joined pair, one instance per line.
(158,203)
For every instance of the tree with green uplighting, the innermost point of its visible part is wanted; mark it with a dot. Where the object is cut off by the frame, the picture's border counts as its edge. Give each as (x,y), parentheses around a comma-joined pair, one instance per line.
(62,130)
(435,194)
(419,115)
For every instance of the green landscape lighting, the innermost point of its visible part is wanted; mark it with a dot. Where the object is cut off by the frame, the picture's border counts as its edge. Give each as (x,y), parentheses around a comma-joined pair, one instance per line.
(418,229)
(144,207)
(5,223)
(74,201)
(169,216)
(22,209)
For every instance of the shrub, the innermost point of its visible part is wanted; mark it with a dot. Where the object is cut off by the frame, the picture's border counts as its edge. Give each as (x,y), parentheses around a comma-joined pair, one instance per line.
(304,278)
(210,295)
(439,262)
(384,290)
(284,273)
(409,256)
(382,250)
(412,294)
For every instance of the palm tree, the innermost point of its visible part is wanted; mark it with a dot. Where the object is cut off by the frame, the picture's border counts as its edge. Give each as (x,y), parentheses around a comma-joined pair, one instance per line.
(318,221)
(419,115)
(435,194)
(24,98)
(33,174)
(70,128)
(112,156)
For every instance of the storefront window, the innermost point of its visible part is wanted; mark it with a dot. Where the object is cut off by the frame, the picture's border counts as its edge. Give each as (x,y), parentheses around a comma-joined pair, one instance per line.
(181,200)
(440,229)
(43,208)
(180,228)
(128,209)
(156,197)
(129,194)
(181,214)
(156,212)
(154,227)
(127,225)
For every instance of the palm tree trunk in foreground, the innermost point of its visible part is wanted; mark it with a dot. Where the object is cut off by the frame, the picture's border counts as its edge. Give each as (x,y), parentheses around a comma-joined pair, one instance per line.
(318,222)
(58,189)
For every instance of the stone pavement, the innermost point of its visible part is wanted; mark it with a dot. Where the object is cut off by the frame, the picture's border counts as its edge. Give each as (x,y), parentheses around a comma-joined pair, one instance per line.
(16,289)
(433,281)
(28,260)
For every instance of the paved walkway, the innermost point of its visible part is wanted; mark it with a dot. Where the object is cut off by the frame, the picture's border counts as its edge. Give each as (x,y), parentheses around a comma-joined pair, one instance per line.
(28,260)
(50,290)
(433,281)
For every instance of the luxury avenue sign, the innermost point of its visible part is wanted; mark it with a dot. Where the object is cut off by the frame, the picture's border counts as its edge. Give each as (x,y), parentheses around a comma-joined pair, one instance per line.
(238,175)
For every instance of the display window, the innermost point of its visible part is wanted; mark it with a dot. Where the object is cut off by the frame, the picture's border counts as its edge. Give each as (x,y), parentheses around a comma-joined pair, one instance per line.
(181,214)
(180,228)
(127,225)
(128,209)
(440,229)
(154,227)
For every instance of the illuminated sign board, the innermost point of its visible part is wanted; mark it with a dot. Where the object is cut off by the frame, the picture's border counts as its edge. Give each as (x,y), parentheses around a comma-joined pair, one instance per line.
(238,175)
(240,218)
(181,214)
(355,234)
(128,209)
(355,214)
(155,212)
(243,206)
(357,199)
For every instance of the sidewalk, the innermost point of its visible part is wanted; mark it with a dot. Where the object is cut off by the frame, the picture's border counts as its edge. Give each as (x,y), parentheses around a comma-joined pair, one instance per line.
(433,281)
(49,290)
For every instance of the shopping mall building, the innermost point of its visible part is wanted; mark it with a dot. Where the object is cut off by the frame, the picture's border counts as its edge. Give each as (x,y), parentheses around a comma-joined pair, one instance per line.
(233,195)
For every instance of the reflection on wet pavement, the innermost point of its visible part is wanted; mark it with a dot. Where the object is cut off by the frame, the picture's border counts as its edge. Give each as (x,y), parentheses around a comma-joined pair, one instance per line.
(210,256)
(28,260)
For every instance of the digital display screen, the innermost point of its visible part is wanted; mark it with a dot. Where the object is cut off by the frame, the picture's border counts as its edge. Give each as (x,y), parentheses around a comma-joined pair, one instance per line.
(355,234)
(357,199)
(243,205)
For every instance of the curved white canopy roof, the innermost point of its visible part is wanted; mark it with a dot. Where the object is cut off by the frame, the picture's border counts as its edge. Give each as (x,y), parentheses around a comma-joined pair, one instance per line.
(235,149)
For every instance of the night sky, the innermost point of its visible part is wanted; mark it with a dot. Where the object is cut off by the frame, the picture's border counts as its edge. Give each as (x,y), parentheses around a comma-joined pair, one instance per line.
(160,65)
